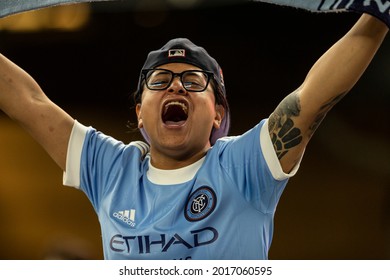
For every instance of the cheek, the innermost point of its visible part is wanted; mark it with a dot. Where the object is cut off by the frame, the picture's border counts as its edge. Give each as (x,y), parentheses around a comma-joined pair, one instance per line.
(209,105)
(206,114)
(149,107)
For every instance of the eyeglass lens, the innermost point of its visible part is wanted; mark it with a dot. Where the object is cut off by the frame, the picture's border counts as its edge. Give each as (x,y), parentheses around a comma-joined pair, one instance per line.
(192,80)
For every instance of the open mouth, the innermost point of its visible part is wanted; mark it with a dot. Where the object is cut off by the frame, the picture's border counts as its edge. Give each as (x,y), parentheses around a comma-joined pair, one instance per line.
(175,113)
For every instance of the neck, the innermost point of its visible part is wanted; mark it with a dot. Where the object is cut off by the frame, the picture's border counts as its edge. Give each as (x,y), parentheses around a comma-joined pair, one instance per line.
(164,161)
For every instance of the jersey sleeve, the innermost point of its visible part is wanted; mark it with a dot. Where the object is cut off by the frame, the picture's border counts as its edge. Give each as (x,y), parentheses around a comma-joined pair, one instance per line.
(71,176)
(271,158)
(251,162)
(96,162)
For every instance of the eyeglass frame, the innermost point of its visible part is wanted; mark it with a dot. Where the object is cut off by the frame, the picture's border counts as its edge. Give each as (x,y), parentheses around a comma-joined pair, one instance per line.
(208,74)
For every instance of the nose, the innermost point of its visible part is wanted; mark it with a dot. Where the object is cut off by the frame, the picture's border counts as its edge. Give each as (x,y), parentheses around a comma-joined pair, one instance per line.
(176,86)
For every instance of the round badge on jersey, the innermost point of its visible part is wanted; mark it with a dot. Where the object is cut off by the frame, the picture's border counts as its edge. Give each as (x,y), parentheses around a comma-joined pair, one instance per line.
(200,204)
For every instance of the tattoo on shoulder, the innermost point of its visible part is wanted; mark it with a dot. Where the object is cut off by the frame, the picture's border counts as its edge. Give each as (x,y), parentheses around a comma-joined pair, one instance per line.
(284,134)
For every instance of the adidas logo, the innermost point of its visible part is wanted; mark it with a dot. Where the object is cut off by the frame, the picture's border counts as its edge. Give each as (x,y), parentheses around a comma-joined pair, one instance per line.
(127,216)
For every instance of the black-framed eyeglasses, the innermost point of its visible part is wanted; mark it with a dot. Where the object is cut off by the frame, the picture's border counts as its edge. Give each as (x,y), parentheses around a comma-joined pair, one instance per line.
(192,80)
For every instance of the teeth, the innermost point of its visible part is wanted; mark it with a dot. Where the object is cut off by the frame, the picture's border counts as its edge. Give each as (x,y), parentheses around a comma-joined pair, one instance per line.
(182,105)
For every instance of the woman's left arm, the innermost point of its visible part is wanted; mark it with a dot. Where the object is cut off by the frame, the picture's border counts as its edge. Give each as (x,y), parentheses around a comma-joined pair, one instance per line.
(295,119)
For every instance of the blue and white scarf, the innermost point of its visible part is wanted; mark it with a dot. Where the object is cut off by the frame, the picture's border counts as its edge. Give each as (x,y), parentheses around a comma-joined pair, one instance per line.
(377,8)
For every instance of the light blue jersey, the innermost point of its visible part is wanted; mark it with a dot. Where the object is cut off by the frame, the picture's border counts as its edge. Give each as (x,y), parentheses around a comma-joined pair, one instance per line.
(221,207)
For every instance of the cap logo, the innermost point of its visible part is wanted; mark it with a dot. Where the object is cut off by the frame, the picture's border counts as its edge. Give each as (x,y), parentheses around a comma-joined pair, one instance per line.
(177,52)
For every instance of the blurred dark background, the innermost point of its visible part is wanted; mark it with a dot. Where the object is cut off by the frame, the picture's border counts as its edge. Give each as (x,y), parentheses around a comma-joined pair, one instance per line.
(87,57)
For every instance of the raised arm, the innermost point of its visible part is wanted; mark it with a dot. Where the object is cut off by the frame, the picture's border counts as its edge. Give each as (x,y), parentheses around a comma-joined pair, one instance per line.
(23,100)
(295,119)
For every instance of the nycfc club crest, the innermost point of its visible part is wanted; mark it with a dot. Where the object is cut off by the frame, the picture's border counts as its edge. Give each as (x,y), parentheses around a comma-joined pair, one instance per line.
(200,204)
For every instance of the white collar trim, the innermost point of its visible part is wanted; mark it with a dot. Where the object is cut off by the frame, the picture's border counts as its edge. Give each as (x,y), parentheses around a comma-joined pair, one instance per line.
(174,176)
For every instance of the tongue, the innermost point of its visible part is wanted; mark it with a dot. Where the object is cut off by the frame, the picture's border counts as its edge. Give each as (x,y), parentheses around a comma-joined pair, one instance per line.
(172,123)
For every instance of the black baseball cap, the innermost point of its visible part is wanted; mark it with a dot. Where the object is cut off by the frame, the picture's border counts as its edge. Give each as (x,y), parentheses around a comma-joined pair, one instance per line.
(182,50)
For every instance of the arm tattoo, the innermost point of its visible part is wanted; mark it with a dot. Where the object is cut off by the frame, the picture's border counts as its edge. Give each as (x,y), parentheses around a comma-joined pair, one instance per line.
(284,134)
(324,109)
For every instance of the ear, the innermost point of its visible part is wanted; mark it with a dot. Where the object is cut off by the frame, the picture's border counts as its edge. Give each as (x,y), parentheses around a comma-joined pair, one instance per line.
(139,115)
(219,114)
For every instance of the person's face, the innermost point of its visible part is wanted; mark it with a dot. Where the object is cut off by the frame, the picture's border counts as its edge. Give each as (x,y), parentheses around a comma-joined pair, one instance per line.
(177,121)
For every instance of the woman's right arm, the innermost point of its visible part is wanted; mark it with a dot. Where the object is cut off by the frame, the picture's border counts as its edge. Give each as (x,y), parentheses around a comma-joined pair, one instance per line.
(22,99)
